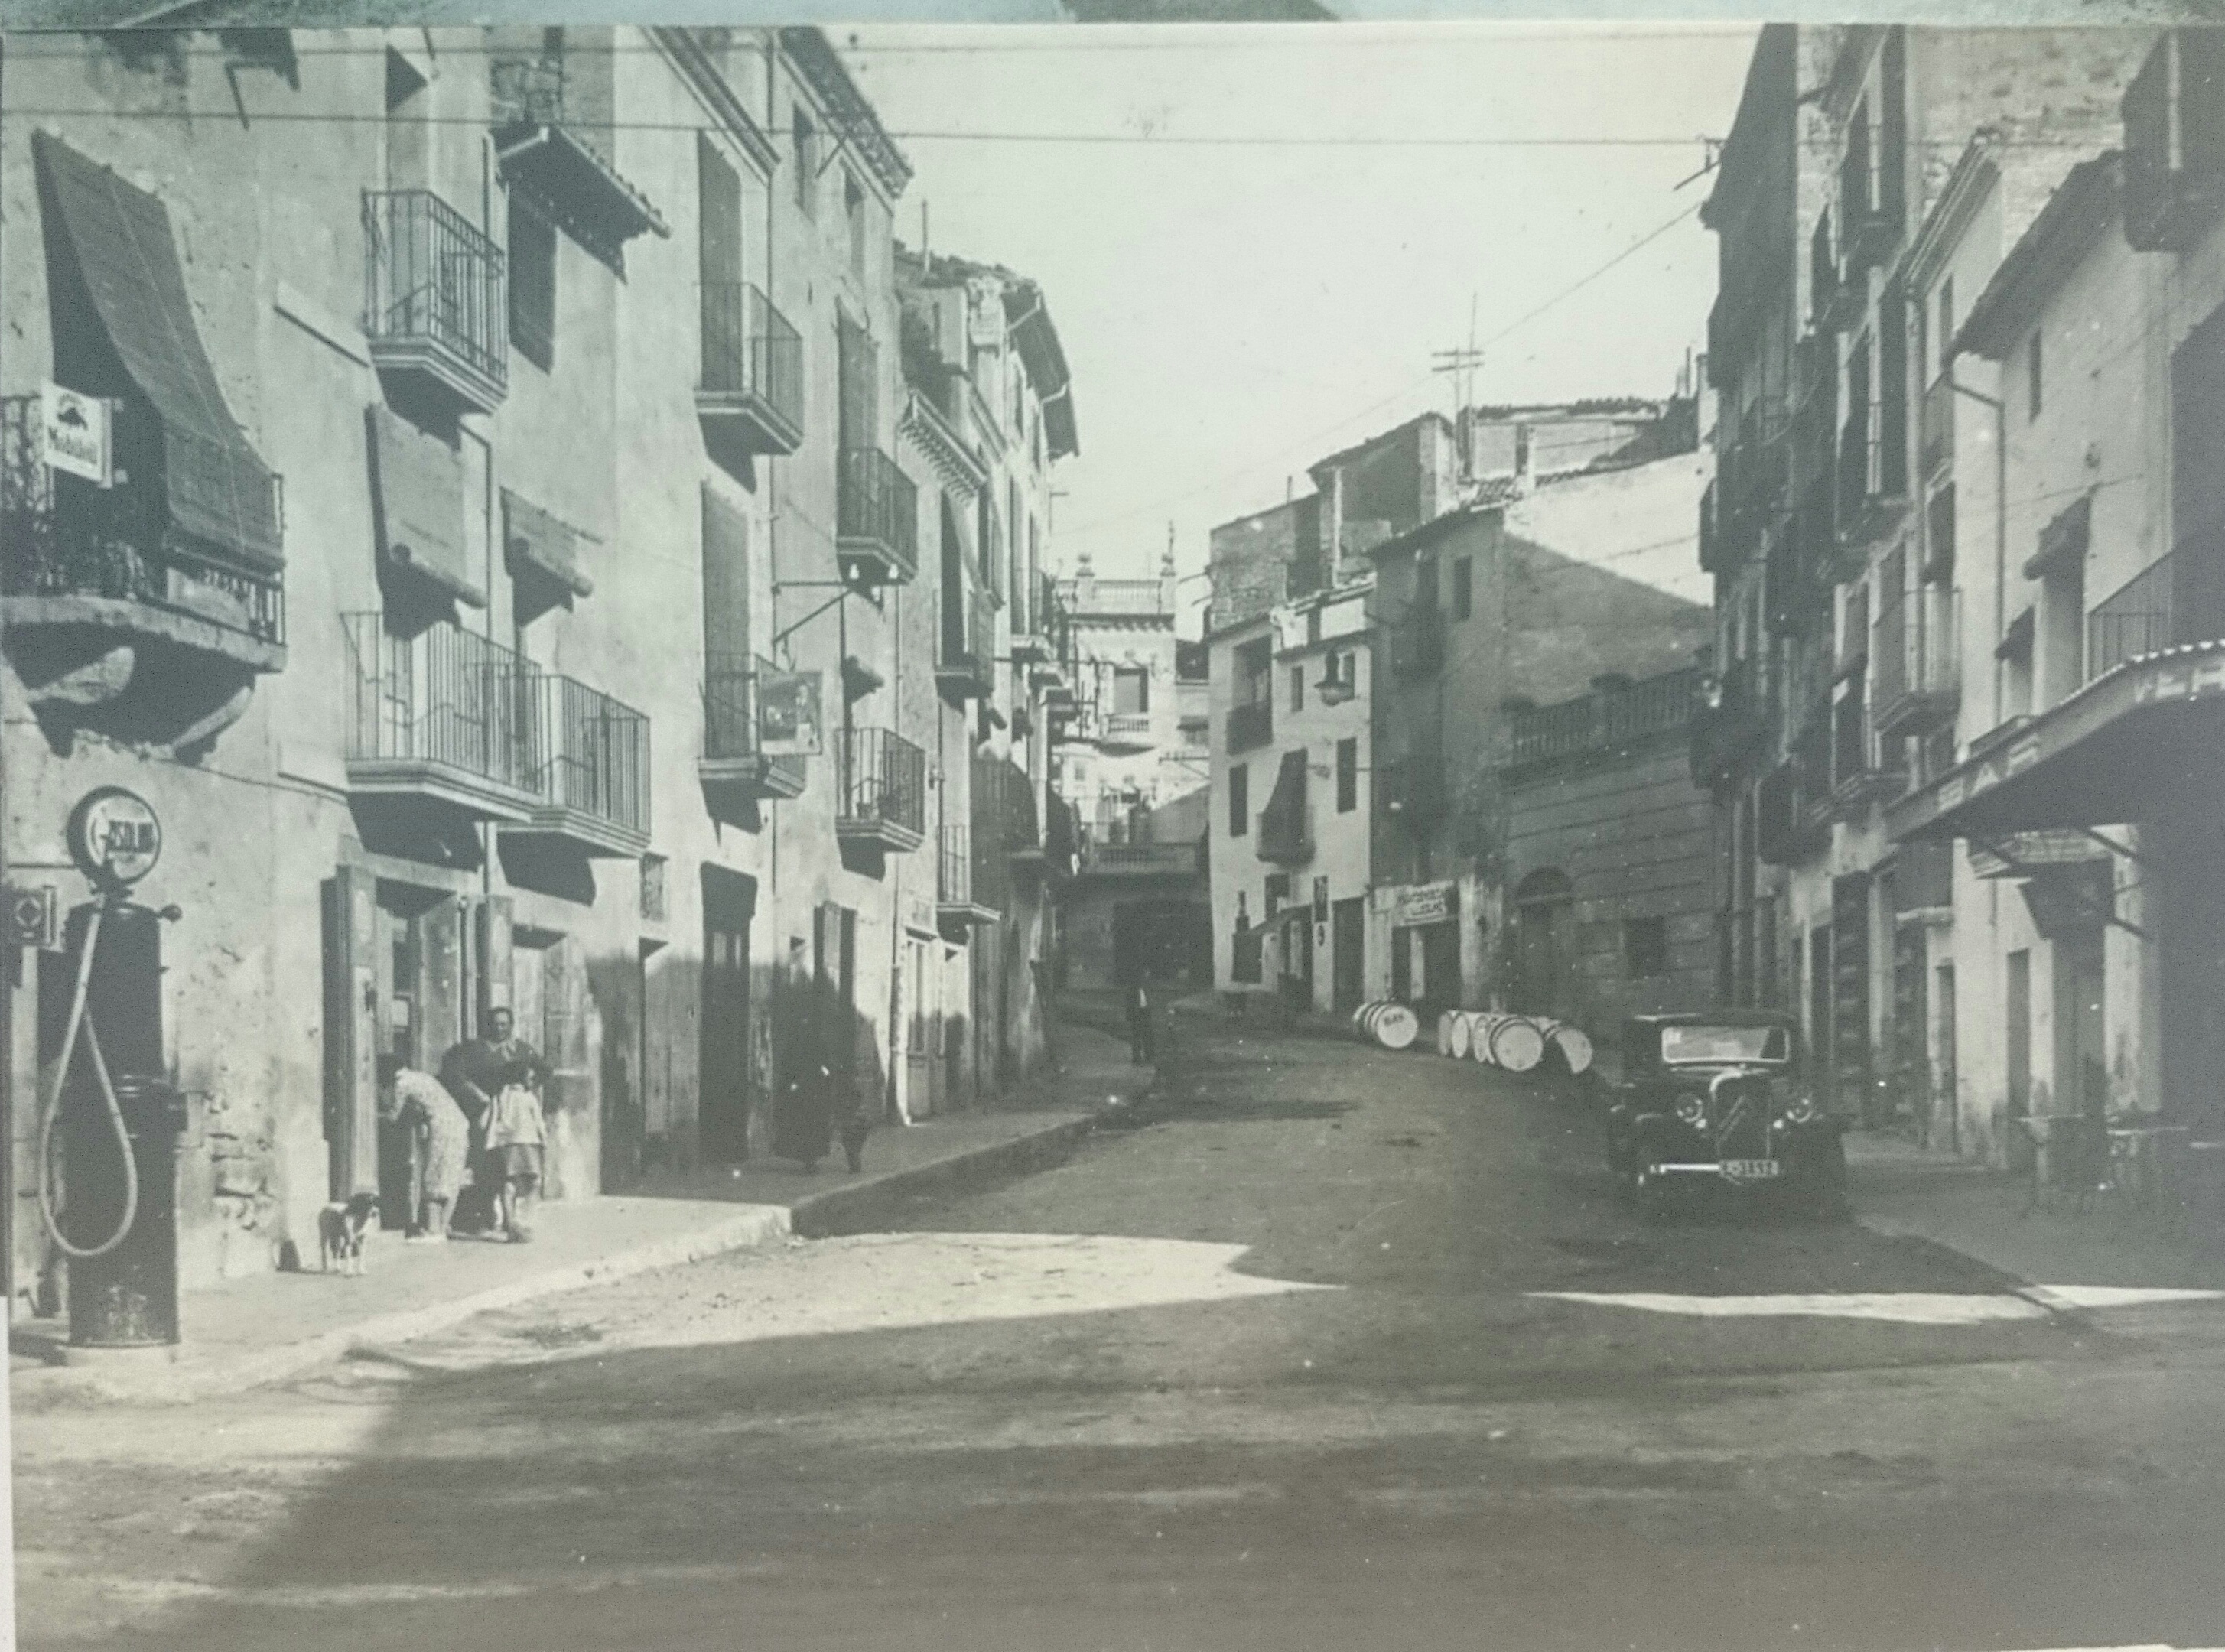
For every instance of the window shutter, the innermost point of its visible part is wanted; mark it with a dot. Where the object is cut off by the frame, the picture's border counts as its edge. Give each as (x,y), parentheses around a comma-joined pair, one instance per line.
(725,585)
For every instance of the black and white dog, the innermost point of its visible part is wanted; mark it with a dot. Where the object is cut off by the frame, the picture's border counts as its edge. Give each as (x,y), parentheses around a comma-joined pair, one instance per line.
(341,1229)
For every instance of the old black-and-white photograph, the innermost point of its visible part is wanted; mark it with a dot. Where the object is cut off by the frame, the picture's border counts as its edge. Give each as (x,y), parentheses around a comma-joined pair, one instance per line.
(1112,837)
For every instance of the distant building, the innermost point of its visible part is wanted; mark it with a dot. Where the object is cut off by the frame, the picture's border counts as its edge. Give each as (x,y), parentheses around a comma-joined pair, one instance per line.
(1436,583)
(1137,908)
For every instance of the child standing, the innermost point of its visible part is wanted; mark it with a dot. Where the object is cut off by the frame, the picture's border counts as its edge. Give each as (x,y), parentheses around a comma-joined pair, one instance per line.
(516,1136)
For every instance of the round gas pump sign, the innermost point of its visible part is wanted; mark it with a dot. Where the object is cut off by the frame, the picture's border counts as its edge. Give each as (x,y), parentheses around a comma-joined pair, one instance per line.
(114,836)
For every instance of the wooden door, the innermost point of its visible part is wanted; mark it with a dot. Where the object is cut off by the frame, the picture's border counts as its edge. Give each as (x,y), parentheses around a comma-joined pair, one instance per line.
(351,1033)
(919,1030)
(2019,1034)
(723,1038)
(1350,941)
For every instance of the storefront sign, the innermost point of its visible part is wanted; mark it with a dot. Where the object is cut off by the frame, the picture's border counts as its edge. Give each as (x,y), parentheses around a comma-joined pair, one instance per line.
(76,433)
(788,716)
(1413,905)
(114,836)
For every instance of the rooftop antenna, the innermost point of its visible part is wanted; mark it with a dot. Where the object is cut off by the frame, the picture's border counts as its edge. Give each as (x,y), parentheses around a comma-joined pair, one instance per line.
(1460,365)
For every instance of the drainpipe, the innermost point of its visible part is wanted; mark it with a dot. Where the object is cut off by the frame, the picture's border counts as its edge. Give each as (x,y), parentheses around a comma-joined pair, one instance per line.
(2000,526)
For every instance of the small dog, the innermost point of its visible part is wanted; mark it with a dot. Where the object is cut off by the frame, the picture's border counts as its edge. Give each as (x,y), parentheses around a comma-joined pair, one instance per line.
(341,1229)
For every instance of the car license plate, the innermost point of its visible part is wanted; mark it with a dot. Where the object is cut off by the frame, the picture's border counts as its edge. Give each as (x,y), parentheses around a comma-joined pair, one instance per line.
(1750,1169)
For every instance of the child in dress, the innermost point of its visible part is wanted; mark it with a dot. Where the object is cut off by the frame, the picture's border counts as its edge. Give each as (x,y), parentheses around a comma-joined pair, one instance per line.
(516,1136)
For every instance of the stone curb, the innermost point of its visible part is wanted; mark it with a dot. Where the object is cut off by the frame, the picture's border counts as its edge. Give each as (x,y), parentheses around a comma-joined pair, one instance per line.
(159,1375)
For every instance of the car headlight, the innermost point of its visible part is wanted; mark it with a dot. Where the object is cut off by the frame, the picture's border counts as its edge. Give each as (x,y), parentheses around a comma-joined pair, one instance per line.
(1690,1108)
(1802,1111)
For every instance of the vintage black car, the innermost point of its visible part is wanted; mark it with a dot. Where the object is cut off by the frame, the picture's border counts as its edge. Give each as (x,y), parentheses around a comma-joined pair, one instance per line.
(1718,1100)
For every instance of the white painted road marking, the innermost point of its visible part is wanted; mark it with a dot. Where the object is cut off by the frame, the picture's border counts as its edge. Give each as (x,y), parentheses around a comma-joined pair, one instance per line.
(1903,1307)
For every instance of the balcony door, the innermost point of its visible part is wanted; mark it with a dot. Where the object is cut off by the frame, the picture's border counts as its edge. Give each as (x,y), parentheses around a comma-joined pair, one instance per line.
(858,373)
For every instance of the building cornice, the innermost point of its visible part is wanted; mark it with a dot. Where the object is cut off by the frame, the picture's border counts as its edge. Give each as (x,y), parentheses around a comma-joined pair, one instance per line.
(687,55)
(2081,209)
(1976,173)
(848,113)
(963,474)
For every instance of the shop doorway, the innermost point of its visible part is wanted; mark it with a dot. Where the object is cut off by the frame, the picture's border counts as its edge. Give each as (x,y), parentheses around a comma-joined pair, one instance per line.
(2017,991)
(1297,978)
(2082,1062)
(723,1040)
(919,1028)
(1348,919)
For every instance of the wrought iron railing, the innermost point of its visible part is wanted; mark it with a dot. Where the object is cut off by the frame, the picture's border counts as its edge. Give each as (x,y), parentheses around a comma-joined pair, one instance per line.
(1113,596)
(882,776)
(750,349)
(445,696)
(432,278)
(61,536)
(1915,654)
(1128,726)
(954,868)
(595,753)
(877,503)
(2178,598)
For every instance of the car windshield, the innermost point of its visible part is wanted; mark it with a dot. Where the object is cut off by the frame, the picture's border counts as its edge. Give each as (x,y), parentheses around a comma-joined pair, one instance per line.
(1725,1044)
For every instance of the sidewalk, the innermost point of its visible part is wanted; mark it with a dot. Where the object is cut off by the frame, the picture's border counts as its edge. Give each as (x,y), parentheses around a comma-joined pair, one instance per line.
(1903,1191)
(250,1331)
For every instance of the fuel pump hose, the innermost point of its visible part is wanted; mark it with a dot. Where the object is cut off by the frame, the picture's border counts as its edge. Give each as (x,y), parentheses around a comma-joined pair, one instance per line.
(52,1113)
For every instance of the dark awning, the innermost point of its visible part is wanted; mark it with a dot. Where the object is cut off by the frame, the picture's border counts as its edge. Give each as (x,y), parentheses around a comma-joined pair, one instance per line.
(1288,800)
(536,542)
(2144,741)
(2062,542)
(219,492)
(417,482)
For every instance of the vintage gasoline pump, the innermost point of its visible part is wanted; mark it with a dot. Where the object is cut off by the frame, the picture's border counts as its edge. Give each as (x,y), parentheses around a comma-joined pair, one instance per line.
(119,1117)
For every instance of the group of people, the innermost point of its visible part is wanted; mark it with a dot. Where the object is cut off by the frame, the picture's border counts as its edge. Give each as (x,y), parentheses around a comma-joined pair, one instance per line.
(477,1135)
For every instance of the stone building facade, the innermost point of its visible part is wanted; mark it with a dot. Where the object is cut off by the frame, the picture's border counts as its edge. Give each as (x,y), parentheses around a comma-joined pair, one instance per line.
(511,596)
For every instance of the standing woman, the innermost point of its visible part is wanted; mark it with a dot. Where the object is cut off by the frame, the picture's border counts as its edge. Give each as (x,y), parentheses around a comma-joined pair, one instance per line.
(442,1139)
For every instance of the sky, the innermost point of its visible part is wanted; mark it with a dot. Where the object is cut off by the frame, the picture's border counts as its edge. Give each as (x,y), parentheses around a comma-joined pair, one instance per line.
(1233,311)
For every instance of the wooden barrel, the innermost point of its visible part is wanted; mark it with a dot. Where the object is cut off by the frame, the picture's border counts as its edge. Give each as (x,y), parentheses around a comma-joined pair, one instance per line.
(1514,1041)
(1479,1036)
(1568,1045)
(1444,1032)
(1390,1025)
(1463,1034)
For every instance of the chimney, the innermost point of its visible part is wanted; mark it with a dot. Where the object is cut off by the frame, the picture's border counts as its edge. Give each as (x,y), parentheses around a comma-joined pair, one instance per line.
(1085,585)
(1167,574)
(1524,480)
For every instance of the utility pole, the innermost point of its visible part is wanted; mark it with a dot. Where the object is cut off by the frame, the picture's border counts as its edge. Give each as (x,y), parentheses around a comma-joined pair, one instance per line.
(1459,364)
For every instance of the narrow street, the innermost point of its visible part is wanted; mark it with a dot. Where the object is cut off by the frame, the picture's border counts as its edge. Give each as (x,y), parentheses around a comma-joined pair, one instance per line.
(1268,1370)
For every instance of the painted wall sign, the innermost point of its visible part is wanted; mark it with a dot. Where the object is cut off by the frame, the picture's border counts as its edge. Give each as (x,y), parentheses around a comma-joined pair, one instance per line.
(789,719)
(76,433)
(1416,904)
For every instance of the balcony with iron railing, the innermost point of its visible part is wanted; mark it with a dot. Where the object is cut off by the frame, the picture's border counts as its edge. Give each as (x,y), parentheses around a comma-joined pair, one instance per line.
(434,296)
(1605,722)
(750,391)
(445,717)
(1251,725)
(1836,294)
(1004,814)
(79,555)
(1915,660)
(966,646)
(1864,764)
(1866,197)
(877,519)
(1116,599)
(593,776)
(880,789)
(735,772)
(2178,599)
(960,902)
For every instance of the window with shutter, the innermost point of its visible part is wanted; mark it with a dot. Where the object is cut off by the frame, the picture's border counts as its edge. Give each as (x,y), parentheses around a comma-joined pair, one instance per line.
(532,284)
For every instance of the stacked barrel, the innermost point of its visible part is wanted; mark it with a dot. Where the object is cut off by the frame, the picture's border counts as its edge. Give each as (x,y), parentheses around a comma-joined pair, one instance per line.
(1514,1043)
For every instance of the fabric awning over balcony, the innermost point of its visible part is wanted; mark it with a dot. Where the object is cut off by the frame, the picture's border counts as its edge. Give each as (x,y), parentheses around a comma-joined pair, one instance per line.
(536,542)
(417,482)
(218,491)
(1286,805)
(2143,741)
